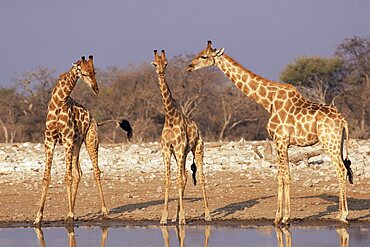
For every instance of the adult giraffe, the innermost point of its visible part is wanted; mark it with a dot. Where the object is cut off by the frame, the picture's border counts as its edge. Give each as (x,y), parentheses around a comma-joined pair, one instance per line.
(294,120)
(70,124)
(180,135)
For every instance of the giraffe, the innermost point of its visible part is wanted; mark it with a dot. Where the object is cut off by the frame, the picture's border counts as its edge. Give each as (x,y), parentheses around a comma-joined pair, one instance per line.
(293,121)
(180,135)
(70,124)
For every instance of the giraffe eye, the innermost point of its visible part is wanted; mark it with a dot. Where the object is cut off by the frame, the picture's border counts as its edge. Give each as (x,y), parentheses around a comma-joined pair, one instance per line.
(204,56)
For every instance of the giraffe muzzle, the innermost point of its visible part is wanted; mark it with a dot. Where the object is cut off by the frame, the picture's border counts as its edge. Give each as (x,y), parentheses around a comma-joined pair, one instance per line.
(96,90)
(190,68)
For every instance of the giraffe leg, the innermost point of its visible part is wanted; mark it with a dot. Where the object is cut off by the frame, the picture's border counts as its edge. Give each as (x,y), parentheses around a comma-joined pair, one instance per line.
(283,183)
(185,179)
(332,149)
(199,154)
(181,182)
(92,145)
(343,207)
(342,174)
(68,179)
(76,173)
(49,151)
(166,152)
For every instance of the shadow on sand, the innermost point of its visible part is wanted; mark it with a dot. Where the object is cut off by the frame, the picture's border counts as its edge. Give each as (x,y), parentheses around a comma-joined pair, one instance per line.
(127,208)
(353,205)
(237,206)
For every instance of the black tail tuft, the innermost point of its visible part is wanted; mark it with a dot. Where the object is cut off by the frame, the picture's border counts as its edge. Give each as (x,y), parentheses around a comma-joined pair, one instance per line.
(347,164)
(125,125)
(194,170)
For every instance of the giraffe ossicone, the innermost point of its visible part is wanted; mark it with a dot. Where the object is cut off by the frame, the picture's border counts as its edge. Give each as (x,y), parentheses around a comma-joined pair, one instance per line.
(294,120)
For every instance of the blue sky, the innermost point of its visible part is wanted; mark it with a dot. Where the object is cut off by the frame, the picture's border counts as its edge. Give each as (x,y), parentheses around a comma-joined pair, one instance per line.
(261,35)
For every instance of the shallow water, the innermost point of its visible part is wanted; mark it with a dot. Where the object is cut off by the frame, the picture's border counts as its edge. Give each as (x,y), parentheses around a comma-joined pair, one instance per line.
(186,236)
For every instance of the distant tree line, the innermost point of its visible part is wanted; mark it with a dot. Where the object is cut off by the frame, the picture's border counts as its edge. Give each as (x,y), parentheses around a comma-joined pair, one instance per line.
(221,111)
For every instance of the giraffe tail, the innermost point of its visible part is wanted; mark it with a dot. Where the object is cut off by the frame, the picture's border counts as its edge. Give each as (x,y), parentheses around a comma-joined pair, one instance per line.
(346,161)
(194,170)
(124,124)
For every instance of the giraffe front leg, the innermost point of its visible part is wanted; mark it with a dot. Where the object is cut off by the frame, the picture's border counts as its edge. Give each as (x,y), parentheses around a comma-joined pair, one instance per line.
(166,152)
(49,151)
(68,180)
(279,212)
(199,154)
(181,183)
(287,199)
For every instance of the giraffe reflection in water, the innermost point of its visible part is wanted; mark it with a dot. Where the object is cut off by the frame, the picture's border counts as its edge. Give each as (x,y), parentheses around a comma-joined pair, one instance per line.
(180,233)
(283,232)
(71,236)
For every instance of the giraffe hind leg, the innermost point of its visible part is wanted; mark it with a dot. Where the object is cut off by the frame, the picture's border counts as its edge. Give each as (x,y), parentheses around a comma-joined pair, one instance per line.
(199,155)
(92,145)
(76,172)
(181,182)
(166,153)
(68,146)
(283,183)
(332,149)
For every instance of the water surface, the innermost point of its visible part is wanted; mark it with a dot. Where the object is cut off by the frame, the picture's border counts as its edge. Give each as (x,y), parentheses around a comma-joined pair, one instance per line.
(186,236)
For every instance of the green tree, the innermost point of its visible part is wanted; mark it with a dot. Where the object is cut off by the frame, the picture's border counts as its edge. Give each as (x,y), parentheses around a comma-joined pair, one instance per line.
(319,78)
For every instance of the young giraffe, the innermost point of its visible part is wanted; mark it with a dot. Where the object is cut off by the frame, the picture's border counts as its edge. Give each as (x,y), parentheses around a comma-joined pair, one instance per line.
(179,136)
(70,124)
(294,121)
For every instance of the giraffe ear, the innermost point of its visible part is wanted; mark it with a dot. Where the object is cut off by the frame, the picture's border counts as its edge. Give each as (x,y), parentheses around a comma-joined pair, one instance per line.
(219,52)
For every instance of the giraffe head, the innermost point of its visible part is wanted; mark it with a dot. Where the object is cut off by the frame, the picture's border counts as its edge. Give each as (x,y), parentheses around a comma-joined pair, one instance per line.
(86,72)
(160,62)
(205,58)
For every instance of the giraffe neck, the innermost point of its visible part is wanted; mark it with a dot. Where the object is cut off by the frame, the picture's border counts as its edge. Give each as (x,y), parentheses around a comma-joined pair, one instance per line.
(64,86)
(167,100)
(252,85)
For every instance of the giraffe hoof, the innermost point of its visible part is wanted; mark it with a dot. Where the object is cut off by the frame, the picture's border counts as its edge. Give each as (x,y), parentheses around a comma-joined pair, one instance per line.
(285,221)
(163,222)
(207,217)
(164,218)
(37,223)
(277,221)
(69,220)
(105,212)
(344,221)
(182,222)
(38,219)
